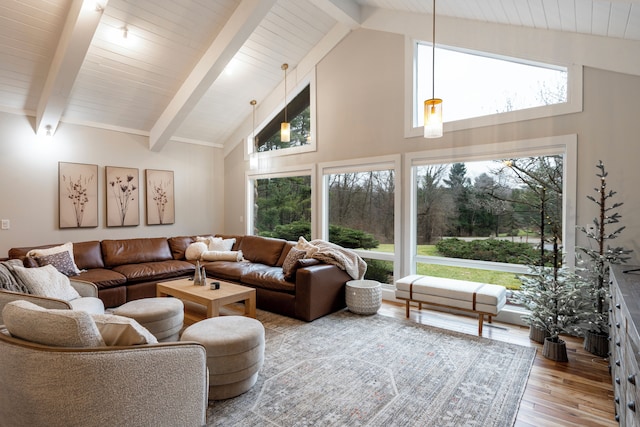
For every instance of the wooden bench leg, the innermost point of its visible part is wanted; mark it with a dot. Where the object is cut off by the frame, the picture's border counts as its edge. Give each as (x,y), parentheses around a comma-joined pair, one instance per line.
(490,317)
(480,320)
(407,309)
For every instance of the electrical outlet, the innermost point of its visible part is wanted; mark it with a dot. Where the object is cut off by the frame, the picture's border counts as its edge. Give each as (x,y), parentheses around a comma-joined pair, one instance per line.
(5,225)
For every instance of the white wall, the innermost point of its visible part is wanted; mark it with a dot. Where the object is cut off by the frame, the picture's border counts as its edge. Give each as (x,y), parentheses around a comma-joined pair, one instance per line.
(360,113)
(29,182)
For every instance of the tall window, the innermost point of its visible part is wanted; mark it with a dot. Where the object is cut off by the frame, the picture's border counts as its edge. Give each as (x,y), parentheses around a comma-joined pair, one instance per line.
(475,84)
(282,207)
(486,220)
(360,207)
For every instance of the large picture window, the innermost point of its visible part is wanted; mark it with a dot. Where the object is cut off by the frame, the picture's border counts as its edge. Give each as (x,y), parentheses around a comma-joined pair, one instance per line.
(485,218)
(360,205)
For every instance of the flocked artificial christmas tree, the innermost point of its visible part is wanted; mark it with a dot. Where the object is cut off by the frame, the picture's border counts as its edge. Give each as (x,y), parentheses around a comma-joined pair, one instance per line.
(594,262)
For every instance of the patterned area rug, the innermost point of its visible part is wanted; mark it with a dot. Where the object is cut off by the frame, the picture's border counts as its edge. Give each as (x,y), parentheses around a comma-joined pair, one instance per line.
(351,370)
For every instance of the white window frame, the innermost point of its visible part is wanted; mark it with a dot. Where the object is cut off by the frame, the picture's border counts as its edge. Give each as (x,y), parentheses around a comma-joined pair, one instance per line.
(252,176)
(565,145)
(308,80)
(365,165)
(573,104)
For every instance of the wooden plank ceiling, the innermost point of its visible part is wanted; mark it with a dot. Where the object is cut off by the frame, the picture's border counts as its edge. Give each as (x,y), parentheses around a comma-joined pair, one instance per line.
(188,68)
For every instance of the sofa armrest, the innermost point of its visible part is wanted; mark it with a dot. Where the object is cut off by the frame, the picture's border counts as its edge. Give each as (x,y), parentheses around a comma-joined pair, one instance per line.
(319,291)
(84,288)
(159,384)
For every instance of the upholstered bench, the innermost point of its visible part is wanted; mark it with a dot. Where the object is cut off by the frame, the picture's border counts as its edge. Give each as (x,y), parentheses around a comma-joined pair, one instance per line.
(480,298)
(163,317)
(235,352)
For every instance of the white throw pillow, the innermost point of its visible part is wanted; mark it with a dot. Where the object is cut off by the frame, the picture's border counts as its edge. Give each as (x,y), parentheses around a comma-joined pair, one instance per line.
(195,250)
(235,256)
(54,250)
(217,243)
(47,282)
(120,330)
(60,328)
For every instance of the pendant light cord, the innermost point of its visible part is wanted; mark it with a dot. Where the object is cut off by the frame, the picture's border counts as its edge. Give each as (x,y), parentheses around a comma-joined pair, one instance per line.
(433,54)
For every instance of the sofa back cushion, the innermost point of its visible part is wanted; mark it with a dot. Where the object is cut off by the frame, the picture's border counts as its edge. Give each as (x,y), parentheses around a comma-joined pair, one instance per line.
(88,255)
(85,254)
(263,250)
(135,251)
(179,245)
(60,328)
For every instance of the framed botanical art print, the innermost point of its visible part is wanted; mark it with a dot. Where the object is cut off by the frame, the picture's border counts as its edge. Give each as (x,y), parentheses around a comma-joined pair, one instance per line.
(160,197)
(122,190)
(77,195)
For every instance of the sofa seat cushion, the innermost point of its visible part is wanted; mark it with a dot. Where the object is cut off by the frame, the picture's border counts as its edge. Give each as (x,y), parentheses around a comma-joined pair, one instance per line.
(60,328)
(102,277)
(147,271)
(230,270)
(268,278)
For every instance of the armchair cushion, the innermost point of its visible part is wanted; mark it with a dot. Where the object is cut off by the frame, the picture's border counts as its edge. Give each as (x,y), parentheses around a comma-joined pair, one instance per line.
(47,281)
(60,328)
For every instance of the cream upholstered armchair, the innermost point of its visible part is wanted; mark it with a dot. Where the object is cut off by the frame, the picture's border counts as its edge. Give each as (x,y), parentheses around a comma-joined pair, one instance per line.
(71,378)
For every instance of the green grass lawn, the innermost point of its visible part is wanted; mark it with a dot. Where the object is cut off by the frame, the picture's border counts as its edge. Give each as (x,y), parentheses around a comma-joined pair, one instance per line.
(508,280)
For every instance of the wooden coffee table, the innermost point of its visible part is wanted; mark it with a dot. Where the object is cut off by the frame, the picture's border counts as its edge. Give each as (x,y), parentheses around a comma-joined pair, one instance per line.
(213,300)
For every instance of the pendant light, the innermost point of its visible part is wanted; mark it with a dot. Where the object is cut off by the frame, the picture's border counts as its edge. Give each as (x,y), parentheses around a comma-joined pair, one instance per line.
(285,127)
(253,103)
(433,106)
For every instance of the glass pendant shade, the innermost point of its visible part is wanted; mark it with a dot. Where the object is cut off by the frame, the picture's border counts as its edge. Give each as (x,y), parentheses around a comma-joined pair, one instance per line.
(285,132)
(433,118)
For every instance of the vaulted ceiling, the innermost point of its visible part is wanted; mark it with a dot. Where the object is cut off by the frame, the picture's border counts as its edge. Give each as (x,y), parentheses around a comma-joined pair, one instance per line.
(187,69)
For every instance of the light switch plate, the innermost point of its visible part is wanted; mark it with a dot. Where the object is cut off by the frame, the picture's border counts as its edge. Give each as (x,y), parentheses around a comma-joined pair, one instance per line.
(5,224)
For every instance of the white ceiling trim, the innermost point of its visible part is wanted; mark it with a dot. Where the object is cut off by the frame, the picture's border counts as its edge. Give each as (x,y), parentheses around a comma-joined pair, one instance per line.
(234,34)
(79,28)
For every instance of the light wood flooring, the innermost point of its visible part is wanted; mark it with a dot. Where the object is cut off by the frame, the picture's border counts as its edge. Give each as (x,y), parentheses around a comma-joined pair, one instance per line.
(577,393)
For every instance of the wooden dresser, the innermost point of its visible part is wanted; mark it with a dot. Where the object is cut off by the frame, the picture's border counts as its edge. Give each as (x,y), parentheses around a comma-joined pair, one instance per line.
(625,343)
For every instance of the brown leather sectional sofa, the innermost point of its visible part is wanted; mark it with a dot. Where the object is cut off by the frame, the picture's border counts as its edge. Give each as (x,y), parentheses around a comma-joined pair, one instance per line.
(128,269)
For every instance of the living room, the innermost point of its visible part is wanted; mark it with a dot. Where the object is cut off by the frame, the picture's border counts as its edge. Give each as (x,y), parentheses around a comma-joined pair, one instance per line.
(360,94)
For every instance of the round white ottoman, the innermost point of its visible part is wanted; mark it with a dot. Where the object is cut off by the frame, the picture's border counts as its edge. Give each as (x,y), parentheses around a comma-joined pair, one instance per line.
(363,296)
(235,352)
(163,317)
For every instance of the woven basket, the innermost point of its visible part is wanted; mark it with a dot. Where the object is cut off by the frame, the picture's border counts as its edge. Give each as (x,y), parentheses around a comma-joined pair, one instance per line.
(363,296)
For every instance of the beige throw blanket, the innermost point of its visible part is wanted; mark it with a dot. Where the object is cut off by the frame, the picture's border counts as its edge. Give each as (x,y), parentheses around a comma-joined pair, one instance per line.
(345,259)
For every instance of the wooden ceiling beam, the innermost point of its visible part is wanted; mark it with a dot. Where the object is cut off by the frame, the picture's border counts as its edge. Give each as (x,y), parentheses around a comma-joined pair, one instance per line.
(234,34)
(79,29)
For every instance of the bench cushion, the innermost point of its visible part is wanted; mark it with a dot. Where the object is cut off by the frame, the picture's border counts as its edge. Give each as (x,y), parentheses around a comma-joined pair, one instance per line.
(453,293)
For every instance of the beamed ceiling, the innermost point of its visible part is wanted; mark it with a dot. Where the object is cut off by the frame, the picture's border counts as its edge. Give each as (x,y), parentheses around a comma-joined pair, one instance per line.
(188,68)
